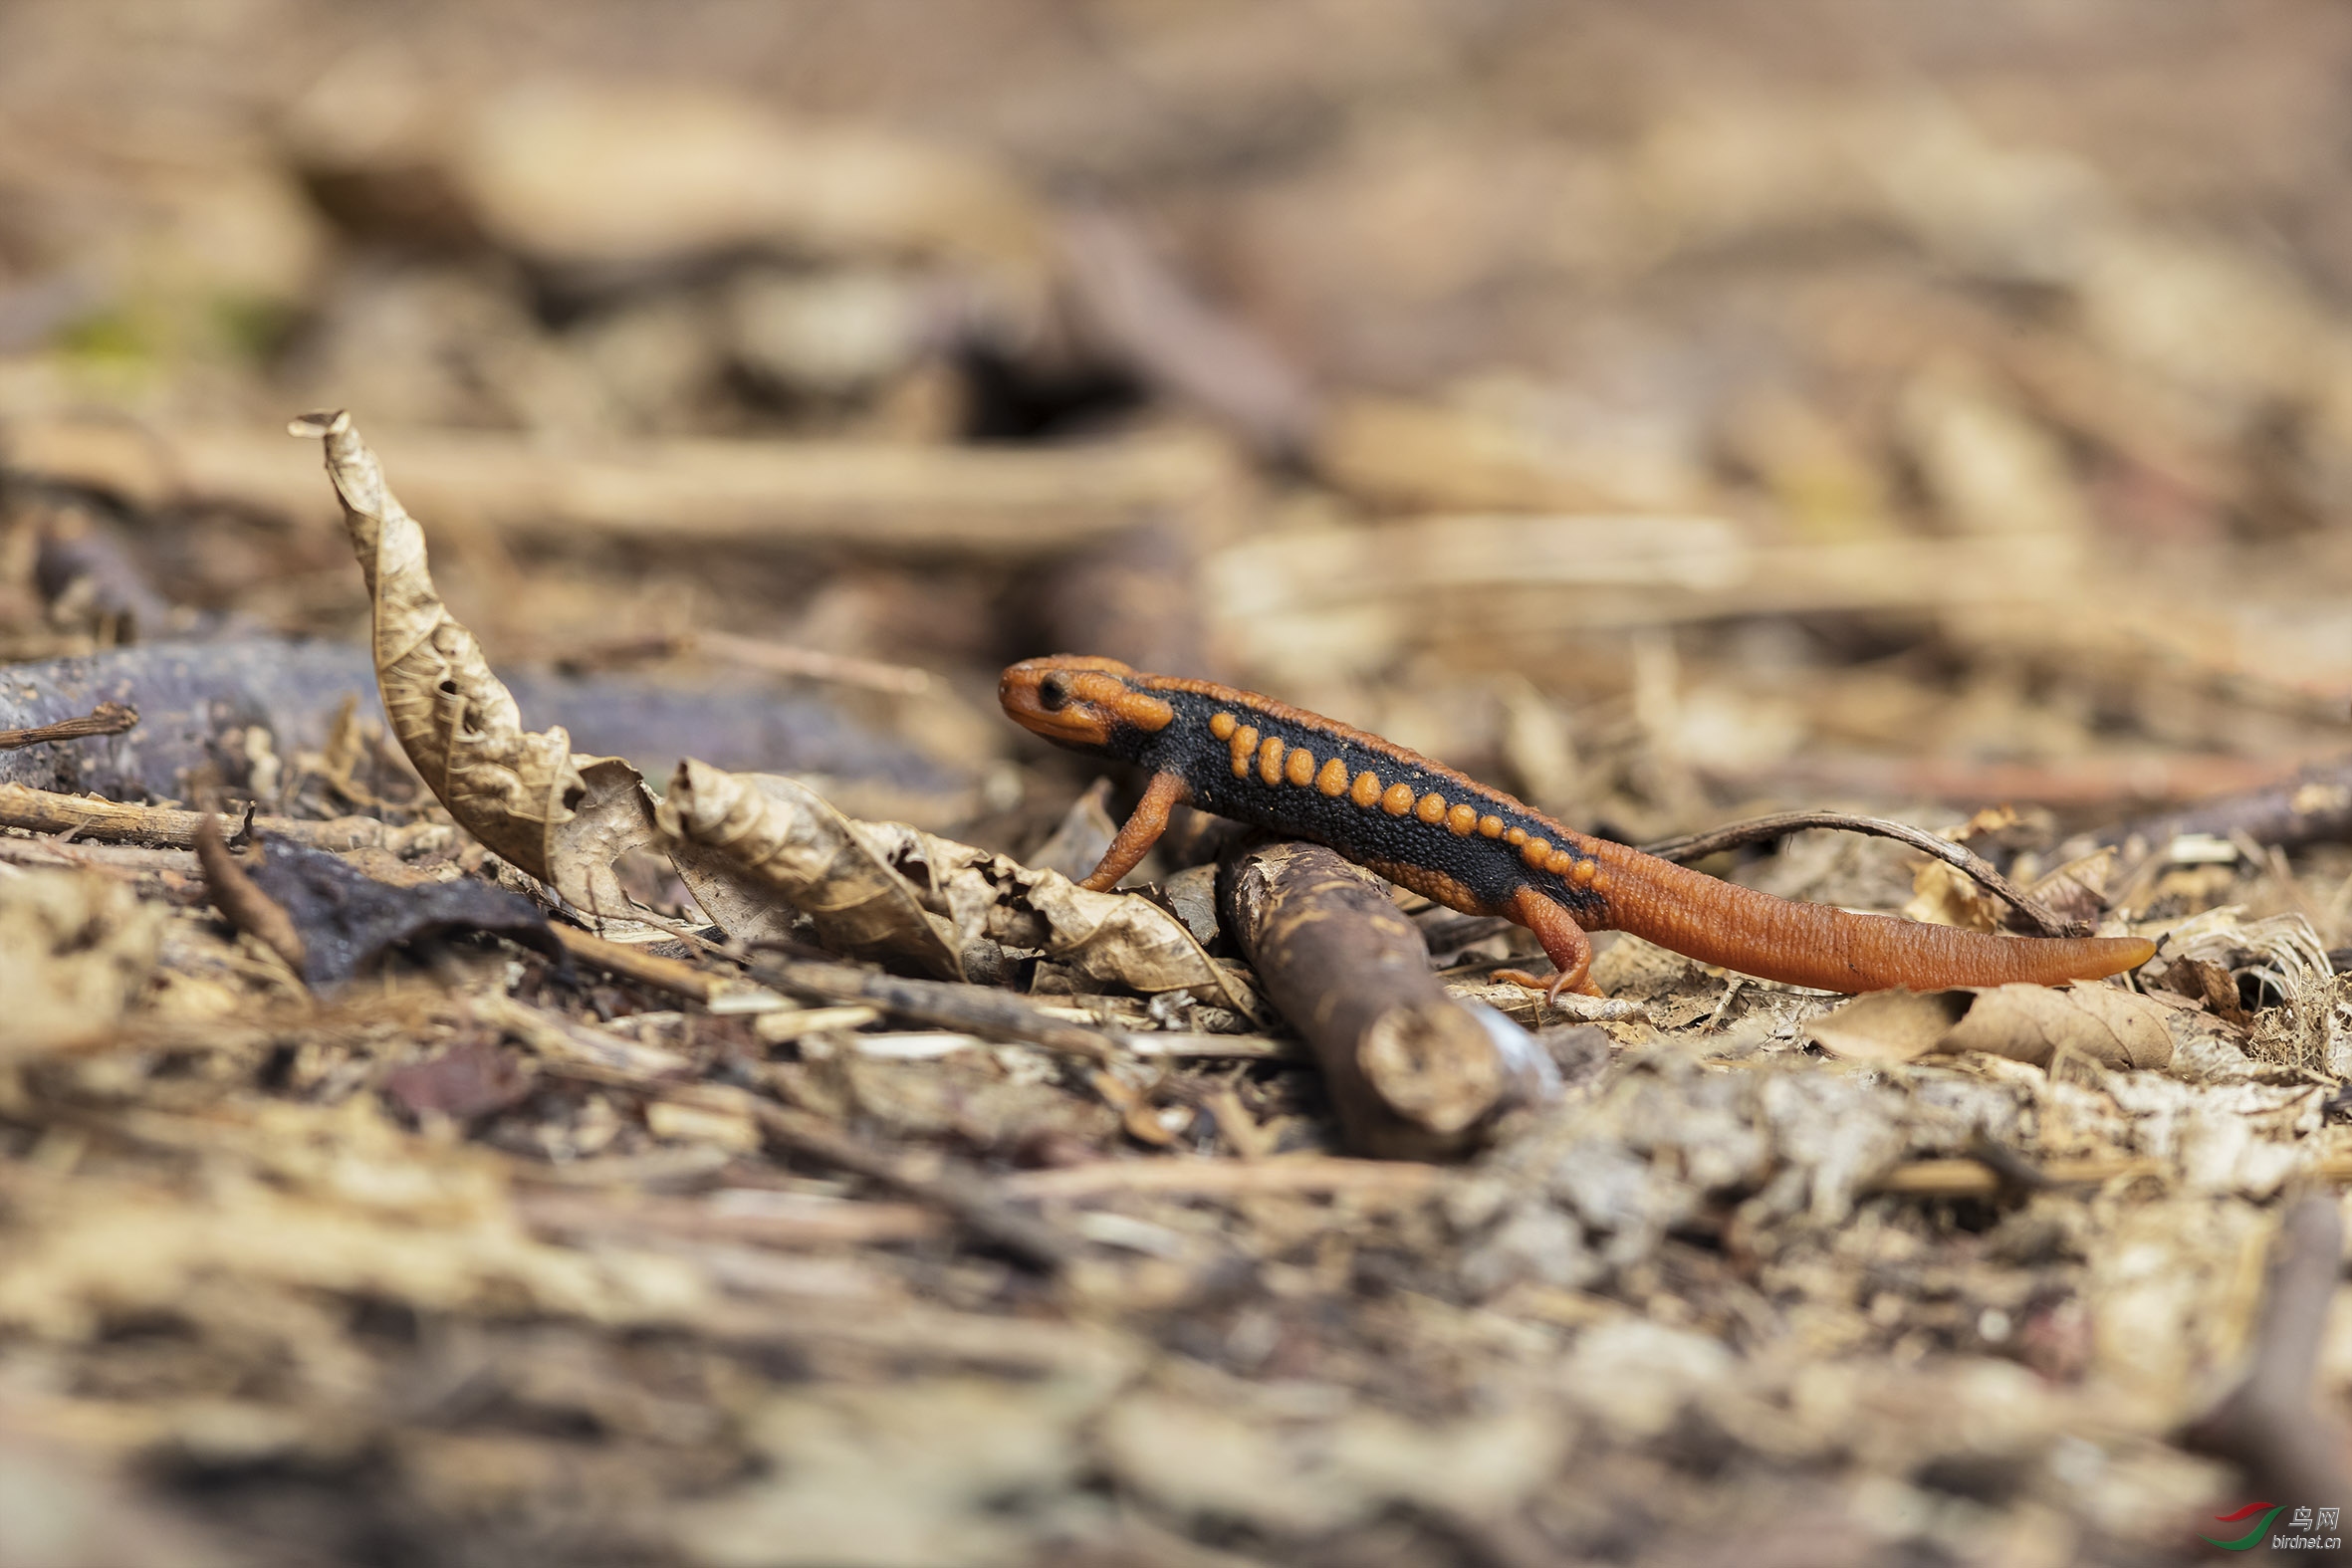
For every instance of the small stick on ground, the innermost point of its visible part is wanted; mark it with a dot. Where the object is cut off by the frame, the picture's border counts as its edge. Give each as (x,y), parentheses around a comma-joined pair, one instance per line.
(247,907)
(108,718)
(2267,1424)
(117,823)
(1412,1073)
(1759,829)
(972,1009)
(719,992)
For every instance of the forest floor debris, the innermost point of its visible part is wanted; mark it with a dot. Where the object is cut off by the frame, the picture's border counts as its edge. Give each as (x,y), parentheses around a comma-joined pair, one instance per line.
(635,1081)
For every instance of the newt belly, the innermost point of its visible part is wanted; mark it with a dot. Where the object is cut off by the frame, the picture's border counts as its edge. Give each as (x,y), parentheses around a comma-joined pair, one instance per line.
(1476,849)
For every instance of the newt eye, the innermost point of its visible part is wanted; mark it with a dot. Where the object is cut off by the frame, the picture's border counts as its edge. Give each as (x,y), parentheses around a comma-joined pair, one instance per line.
(1053,692)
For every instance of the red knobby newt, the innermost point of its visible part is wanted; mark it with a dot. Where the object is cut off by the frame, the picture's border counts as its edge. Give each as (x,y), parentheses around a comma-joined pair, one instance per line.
(1425,826)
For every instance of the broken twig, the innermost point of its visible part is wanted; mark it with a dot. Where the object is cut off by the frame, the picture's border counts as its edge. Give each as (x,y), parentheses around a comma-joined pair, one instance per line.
(718,993)
(245,905)
(1412,1073)
(974,1009)
(119,823)
(108,718)
(1763,829)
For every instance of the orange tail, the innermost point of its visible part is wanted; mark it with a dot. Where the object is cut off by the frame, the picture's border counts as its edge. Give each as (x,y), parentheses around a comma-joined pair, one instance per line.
(1831,949)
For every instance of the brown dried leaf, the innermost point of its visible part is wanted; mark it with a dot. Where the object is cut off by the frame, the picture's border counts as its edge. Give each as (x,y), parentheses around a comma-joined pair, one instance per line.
(1890,1025)
(762,833)
(562,817)
(2077,890)
(2112,1026)
(1945,895)
(1116,937)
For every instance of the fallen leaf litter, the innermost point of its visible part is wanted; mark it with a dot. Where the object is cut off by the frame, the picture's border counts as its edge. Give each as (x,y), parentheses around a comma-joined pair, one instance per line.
(643,1158)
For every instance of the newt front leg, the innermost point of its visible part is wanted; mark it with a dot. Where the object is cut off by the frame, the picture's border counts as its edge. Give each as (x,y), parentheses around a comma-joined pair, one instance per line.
(1142,829)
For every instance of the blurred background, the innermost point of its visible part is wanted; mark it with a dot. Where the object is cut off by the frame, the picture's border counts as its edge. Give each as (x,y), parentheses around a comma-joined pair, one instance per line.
(1658,408)
(1665,410)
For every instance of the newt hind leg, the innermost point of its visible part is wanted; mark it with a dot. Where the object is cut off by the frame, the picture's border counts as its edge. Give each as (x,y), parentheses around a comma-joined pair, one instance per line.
(1565,943)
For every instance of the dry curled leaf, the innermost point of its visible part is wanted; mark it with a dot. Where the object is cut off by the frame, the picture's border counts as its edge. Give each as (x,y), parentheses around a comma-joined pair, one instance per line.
(2107,1024)
(2112,1026)
(2077,890)
(560,817)
(753,847)
(1120,938)
(1889,1026)
(1945,895)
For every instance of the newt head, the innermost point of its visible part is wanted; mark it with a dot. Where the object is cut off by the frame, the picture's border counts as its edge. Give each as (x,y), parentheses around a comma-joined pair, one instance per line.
(1079,701)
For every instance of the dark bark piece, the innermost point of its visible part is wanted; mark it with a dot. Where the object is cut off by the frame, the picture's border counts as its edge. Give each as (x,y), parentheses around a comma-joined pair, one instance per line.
(2268,1426)
(2314,807)
(347,920)
(1412,1073)
(193,698)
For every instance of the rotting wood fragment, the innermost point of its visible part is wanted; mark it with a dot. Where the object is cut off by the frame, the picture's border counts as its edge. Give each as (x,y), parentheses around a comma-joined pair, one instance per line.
(1412,1073)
